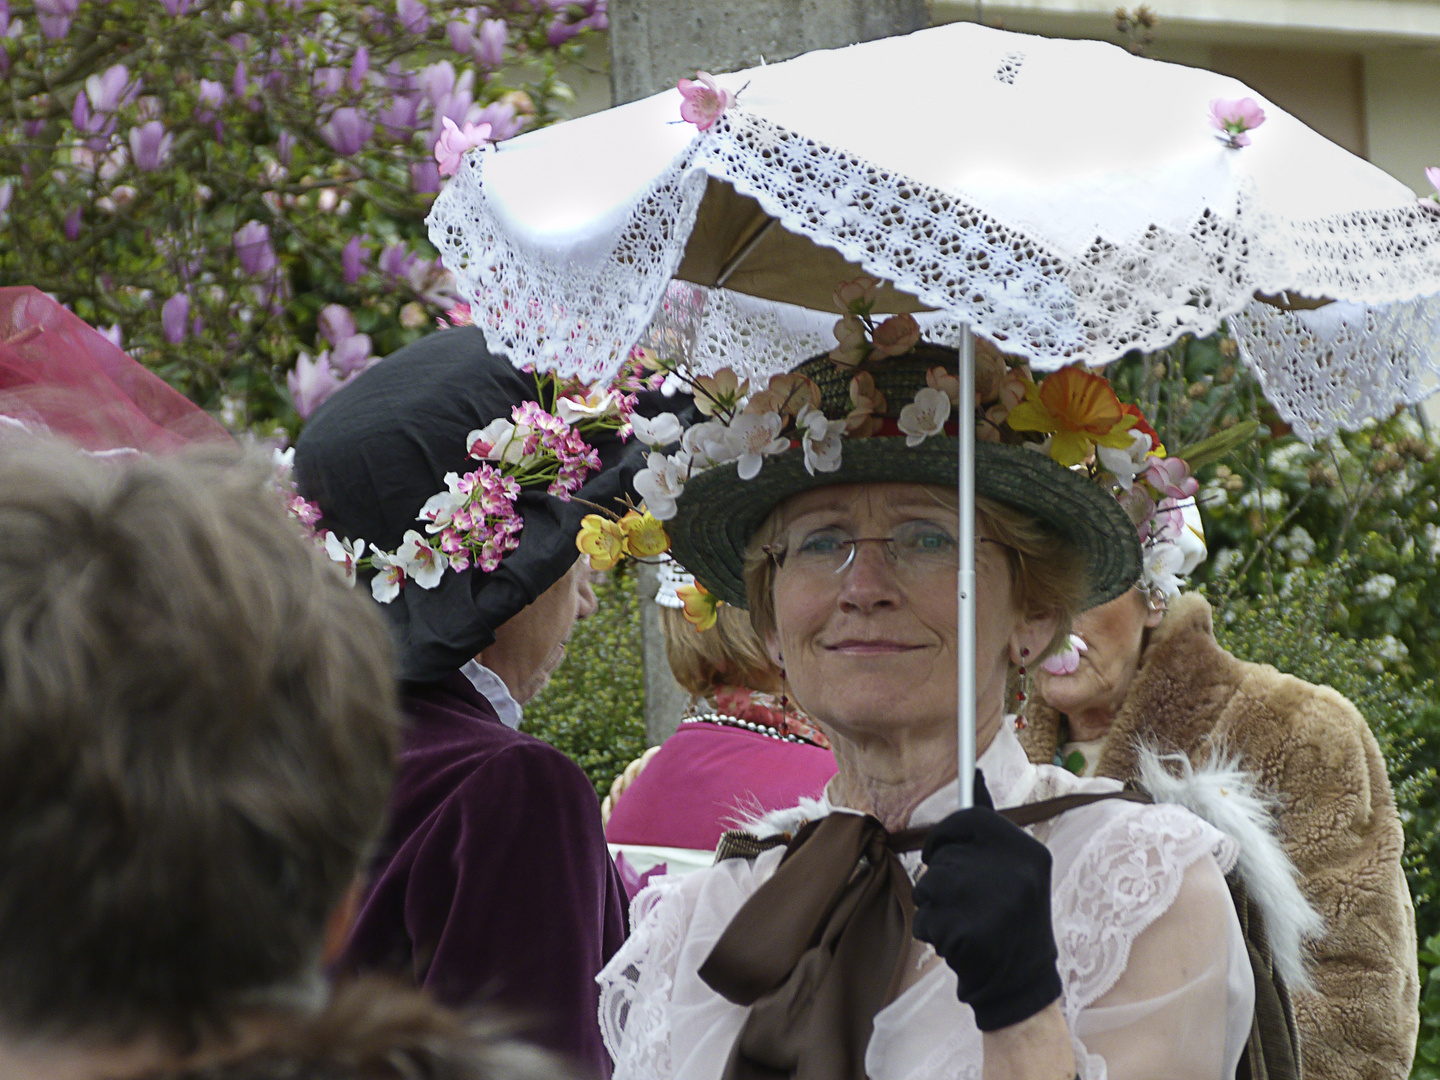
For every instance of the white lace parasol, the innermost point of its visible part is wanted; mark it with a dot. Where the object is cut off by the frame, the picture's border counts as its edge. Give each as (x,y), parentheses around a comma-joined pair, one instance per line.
(1067,200)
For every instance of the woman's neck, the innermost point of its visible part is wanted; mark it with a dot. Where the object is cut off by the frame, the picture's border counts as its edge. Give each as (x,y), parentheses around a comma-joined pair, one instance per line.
(888,775)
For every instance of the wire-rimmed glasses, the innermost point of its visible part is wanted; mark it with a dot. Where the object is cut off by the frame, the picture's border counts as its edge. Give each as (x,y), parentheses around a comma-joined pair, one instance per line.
(914,548)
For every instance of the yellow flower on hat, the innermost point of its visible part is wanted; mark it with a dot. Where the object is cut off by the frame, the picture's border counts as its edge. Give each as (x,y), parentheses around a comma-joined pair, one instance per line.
(1079,409)
(603,540)
(645,537)
(701,606)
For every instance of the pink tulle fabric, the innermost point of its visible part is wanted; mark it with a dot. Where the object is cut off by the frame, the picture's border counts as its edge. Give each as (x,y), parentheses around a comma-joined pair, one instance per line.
(60,375)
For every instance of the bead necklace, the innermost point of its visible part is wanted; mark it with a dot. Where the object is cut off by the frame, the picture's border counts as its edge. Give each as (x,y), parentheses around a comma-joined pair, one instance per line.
(746,725)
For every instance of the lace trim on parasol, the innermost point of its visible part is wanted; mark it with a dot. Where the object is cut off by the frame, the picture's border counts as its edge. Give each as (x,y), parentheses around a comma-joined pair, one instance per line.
(583,315)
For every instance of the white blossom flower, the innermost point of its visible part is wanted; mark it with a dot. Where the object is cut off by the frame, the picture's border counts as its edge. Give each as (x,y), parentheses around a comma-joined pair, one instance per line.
(602,403)
(708,443)
(925,416)
(499,440)
(420,561)
(752,436)
(660,431)
(1162,569)
(283,460)
(344,552)
(1125,464)
(389,576)
(441,507)
(820,439)
(660,484)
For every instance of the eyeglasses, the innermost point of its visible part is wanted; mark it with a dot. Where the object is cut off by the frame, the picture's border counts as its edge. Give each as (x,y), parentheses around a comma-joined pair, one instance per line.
(916,549)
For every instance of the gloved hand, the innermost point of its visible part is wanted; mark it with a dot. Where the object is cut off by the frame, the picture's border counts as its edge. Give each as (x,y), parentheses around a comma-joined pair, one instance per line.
(984,904)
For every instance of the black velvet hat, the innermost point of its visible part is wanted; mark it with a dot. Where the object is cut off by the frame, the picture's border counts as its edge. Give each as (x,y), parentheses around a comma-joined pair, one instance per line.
(381,446)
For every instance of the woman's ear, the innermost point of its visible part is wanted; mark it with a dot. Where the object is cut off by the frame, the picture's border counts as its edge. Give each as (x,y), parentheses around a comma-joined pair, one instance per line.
(1154,612)
(772,648)
(1032,635)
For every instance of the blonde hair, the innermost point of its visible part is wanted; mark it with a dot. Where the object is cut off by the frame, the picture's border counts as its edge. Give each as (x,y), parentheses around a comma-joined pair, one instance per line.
(1047,575)
(727,654)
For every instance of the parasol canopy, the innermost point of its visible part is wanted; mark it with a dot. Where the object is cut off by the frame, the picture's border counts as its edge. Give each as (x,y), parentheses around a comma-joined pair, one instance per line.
(1065,199)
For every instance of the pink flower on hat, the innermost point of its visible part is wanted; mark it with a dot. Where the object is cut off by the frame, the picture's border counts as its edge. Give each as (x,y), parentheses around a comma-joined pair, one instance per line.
(1171,477)
(455,141)
(704,100)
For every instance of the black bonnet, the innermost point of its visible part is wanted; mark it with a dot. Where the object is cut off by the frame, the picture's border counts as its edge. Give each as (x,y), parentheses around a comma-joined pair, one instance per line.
(381,446)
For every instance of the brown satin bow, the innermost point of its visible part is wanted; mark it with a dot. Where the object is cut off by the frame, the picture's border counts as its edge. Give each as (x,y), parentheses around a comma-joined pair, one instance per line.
(817,951)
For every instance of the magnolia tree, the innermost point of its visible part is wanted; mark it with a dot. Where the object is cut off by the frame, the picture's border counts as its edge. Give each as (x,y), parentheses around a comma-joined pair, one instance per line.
(236,190)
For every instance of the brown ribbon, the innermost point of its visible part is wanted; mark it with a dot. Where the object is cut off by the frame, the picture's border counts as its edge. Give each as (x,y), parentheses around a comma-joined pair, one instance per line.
(817,951)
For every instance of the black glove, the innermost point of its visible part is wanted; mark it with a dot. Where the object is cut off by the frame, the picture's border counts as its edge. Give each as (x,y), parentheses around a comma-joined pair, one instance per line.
(984,904)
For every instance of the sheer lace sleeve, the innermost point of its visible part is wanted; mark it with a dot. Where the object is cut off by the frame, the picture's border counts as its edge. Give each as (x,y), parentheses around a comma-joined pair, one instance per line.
(1157,979)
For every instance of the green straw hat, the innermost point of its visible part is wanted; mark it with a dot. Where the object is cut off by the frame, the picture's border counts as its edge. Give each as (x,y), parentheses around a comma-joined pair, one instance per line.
(718,512)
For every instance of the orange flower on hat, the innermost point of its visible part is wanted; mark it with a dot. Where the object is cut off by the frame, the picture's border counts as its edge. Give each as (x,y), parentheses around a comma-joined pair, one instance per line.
(645,537)
(602,539)
(867,416)
(701,606)
(1078,409)
(786,394)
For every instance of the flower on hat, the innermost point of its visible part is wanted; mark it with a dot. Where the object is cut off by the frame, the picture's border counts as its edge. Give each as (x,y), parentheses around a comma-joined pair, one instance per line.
(421,561)
(853,340)
(1162,568)
(754,436)
(719,392)
(661,430)
(703,100)
(1235,117)
(896,336)
(660,483)
(866,418)
(1079,409)
(1067,660)
(455,142)
(1171,477)
(925,416)
(819,439)
(858,297)
(602,539)
(937,378)
(788,394)
(645,537)
(701,607)
(389,576)
(346,553)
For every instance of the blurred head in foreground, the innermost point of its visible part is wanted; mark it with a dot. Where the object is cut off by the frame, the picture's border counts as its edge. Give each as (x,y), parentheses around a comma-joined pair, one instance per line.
(197,730)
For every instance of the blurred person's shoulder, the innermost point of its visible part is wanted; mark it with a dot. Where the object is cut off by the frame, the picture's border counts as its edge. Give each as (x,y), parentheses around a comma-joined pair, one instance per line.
(374,1029)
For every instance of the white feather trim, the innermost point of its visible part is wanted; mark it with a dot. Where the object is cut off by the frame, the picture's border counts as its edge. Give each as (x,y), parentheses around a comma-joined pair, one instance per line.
(1226,795)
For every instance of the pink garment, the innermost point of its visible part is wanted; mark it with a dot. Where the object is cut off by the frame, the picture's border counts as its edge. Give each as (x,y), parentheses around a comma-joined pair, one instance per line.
(59,374)
(706,778)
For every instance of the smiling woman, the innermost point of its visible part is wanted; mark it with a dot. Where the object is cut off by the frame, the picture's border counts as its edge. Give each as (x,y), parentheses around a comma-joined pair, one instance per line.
(1093,944)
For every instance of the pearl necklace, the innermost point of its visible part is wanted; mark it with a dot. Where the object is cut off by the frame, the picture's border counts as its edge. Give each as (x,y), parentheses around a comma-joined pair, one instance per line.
(746,725)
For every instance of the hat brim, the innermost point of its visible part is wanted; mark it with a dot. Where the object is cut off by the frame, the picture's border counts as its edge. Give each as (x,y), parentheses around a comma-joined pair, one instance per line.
(718,512)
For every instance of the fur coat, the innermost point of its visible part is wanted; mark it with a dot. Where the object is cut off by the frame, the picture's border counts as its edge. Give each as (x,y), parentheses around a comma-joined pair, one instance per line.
(1313,751)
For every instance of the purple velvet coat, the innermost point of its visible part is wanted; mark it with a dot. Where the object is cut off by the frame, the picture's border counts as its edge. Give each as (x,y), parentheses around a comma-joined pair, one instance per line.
(494,885)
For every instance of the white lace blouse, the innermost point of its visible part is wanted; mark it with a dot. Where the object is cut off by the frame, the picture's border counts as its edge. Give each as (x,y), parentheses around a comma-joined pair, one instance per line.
(1157,982)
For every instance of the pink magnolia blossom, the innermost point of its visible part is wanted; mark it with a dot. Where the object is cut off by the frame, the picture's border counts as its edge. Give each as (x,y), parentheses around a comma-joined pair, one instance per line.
(72,225)
(172,318)
(311,382)
(353,258)
(347,131)
(54,17)
(336,323)
(461,35)
(327,81)
(455,142)
(489,46)
(150,146)
(395,260)
(500,115)
(111,89)
(1433,175)
(175,8)
(413,15)
(424,177)
(252,248)
(400,116)
(359,68)
(1171,477)
(7,189)
(352,355)
(704,100)
(1235,117)
(208,99)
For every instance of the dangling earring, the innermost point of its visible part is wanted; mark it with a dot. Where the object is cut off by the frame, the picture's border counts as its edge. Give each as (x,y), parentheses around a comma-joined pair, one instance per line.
(1020,693)
(784,701)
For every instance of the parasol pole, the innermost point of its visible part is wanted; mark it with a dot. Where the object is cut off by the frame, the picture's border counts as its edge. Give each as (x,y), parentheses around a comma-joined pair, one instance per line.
(965,580)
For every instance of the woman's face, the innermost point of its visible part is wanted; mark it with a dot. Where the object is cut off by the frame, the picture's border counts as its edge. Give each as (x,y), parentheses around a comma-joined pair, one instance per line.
(872,648)
(1113,634)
